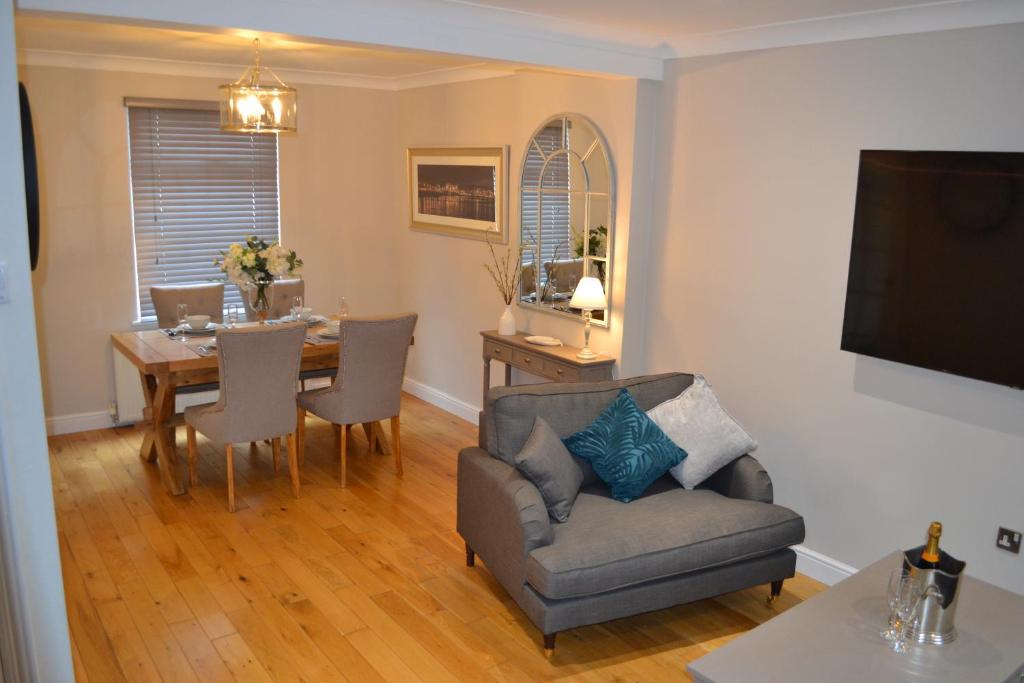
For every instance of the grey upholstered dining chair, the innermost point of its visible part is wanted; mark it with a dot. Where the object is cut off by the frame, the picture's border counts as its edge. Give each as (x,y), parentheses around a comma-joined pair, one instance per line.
(368,386)
(259,368)
(204,299)
(284,292)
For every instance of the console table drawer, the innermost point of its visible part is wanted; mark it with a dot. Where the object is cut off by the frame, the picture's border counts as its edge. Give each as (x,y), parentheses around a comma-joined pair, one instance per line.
(559,372)
(528,361)
(498,351)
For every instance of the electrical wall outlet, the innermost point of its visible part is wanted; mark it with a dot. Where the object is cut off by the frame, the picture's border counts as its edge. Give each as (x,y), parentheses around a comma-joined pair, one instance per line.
(1009,540)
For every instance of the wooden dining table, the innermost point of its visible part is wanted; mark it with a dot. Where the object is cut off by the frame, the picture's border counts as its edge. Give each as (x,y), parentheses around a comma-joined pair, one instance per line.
(167,364)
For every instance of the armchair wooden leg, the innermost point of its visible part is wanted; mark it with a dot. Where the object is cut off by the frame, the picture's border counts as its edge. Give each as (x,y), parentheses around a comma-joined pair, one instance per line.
(776,591)
(549,642)
(252,448)
(275,446)
(293,464)
(231,476)
(300,435)
(470,556)
(193,455)
(344,457)
(396,437)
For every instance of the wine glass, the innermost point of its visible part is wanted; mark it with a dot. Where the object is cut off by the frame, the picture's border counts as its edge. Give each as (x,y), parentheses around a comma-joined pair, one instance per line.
(232,315)
(182,316)
(296,307)
(897,583)
(906,615)
(342,308)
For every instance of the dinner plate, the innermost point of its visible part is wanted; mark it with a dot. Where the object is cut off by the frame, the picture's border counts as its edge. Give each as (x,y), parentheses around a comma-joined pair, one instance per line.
(209,330)
(328,334)
(313,319)
(541,340)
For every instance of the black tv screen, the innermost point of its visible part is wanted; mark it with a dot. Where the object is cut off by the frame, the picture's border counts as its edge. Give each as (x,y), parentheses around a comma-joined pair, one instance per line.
(937,265)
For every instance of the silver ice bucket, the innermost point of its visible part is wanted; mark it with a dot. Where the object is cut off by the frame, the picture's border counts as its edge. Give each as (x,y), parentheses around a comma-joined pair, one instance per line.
(939,588)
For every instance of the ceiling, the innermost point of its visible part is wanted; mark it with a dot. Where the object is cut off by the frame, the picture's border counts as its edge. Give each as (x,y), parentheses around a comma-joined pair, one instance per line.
(665,19)
(44,39)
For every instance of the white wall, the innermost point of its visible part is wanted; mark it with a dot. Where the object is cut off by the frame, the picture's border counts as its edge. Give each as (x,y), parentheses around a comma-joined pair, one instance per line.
(34,596)
(444,277)
(748,276)
(337,210)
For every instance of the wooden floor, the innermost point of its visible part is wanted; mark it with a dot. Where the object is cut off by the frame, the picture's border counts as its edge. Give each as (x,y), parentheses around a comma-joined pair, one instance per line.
(363,584)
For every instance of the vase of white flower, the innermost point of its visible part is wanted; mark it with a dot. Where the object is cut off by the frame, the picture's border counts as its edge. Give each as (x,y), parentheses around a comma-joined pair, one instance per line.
(261,298)
(254,266)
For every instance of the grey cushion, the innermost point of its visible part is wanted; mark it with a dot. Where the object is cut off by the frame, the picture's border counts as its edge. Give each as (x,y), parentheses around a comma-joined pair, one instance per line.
(606,545)
(696,422)
(509,412)
(545,461)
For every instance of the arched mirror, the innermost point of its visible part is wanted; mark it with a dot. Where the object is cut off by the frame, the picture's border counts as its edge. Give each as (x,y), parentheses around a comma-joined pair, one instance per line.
(565,214)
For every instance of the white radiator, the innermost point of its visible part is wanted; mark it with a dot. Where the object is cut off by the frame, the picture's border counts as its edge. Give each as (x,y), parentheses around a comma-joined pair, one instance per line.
(128,399)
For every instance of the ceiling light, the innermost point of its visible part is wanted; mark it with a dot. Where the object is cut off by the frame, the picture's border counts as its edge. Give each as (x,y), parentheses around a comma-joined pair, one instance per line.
(251,106)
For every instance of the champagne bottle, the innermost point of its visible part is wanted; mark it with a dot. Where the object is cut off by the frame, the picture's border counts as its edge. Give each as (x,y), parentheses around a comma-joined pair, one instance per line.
(930,554)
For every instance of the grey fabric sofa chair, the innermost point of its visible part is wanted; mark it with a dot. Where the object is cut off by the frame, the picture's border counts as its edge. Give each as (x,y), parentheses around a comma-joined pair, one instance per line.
(612,559)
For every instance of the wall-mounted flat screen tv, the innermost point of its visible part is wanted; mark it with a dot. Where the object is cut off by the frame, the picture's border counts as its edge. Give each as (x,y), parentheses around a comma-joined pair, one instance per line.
(937,265)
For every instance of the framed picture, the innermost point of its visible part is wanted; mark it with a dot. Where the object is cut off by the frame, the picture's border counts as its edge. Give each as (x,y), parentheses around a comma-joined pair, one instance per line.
(458,191)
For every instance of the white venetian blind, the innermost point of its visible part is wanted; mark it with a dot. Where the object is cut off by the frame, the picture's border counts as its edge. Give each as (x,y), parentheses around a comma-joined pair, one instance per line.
(195,190)
(545,201)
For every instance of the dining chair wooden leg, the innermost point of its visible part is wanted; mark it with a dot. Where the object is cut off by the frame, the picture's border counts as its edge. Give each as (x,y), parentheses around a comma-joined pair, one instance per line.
(293,463)
(275,447)
(337,436)
(300,435)
(193,455)
(396,446)
(344,458)
(373,437)
(348,434)
(229,449)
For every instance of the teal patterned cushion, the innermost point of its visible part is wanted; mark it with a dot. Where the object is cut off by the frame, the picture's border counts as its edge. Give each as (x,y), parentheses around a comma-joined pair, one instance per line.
(626,449)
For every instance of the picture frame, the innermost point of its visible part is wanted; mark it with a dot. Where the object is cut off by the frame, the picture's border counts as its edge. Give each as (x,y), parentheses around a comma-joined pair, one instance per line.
(459,191)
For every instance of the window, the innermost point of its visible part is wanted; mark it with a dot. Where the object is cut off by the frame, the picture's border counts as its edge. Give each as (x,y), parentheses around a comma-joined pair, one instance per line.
(195,190)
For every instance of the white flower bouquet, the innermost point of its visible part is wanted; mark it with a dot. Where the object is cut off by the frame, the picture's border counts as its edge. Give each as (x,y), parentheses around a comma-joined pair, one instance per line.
(255,265)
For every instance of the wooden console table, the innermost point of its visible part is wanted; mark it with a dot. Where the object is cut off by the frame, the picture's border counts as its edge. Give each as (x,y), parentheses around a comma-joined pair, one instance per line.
(557,363)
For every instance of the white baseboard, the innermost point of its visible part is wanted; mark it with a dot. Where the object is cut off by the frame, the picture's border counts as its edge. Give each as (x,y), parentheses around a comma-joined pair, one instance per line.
(444,401)
(821,567)
(79,422)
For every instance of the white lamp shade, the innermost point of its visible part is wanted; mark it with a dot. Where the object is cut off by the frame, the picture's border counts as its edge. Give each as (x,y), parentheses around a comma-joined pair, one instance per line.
(589,295)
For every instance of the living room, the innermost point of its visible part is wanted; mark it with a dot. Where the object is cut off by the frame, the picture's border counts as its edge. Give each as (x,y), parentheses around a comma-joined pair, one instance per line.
(734,139)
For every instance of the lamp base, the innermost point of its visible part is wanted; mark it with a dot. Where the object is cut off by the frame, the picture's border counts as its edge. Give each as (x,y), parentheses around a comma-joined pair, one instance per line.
(586,354)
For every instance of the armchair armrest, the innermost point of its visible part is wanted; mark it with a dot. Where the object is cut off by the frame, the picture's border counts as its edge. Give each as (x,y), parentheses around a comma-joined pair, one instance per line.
(501,515)
(743,478)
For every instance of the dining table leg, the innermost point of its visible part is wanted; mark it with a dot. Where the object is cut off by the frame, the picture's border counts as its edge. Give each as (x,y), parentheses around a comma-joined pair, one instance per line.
(167,453)
(148,450)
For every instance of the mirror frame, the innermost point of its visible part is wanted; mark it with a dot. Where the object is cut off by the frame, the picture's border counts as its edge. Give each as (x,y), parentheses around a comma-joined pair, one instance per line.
(602,144)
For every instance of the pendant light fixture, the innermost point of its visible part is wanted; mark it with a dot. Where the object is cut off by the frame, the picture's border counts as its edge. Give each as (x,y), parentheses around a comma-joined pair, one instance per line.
(250,105)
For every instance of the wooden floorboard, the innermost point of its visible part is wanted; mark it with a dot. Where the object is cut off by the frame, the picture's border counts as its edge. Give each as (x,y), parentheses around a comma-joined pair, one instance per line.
(360,584)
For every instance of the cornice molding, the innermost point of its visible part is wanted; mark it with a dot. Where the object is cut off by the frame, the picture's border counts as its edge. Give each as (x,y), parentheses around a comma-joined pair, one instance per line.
(229,72)
(939,16)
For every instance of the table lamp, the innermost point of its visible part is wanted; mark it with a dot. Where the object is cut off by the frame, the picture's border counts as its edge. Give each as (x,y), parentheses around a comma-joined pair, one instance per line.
(589,296)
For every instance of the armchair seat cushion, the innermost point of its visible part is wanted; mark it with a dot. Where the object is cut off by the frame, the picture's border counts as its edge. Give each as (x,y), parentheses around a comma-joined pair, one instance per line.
(606,545)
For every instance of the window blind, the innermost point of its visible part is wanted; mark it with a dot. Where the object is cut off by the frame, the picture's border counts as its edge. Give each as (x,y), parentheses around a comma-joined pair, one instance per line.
(547,197)
(195,190)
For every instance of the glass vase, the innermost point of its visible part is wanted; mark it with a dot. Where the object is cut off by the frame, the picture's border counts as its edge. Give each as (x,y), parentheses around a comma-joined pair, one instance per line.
(261,298)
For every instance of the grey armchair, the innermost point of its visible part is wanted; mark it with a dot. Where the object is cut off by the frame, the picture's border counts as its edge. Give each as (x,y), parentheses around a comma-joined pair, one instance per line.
(610,559)
(203,299)
(259,368)
(284,292)
(368,386)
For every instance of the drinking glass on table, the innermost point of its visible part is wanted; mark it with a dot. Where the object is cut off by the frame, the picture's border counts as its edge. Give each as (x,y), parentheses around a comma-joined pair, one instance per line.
(342,308)
(232,315)
(897,584)
(182,315)
(906,615)
(296,307)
